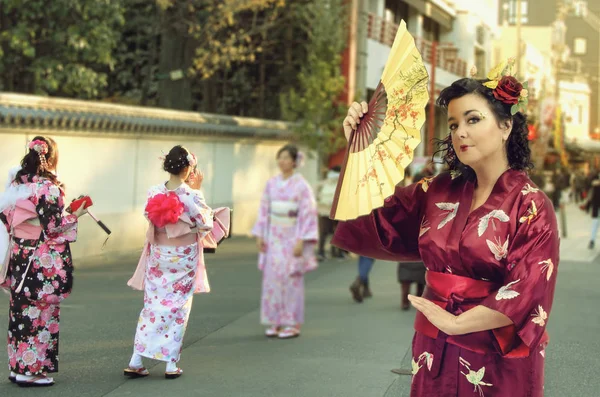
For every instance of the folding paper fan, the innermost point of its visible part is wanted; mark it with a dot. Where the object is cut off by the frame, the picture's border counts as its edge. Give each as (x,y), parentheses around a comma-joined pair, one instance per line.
(384,142)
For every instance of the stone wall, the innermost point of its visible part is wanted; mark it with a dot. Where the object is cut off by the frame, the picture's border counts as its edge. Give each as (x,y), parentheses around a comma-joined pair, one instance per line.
(117,172)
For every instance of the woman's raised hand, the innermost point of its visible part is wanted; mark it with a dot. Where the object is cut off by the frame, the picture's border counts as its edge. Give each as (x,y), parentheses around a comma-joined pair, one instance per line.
(352,120)
(195,179)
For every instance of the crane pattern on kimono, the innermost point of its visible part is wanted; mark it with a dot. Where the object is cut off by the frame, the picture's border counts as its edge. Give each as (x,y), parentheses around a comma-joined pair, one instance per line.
(474,377)
(423,357)
(451,209)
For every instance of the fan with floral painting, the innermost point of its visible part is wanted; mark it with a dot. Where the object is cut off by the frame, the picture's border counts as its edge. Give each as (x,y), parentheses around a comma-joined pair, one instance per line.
(383,144)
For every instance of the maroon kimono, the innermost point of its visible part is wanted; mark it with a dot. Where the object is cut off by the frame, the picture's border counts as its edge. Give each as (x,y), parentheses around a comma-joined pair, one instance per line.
(503,255)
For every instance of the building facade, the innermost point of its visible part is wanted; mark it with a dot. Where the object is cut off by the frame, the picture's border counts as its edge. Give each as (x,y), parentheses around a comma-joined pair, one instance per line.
(452,35)
(582,38)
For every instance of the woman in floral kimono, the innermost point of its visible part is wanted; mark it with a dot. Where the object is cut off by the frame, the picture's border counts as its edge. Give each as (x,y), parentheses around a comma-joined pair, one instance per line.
(488,238)
(171,268)
(286,233)
(40,269)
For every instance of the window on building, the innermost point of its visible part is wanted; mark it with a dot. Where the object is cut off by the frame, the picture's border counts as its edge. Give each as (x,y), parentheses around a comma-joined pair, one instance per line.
(431,29)
(512,11)
(480,35)
(395,11)
(580,8)
(480,62)
(580,46)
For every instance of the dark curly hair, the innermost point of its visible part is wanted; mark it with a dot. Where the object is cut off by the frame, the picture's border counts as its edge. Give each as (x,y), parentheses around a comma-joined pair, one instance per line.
(31,165)
(517,146)
(176,160)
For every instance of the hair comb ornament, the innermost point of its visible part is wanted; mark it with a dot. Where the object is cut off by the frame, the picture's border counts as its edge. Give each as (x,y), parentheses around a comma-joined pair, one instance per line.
(506,88)
(191,159)
(41,148)
(38,146)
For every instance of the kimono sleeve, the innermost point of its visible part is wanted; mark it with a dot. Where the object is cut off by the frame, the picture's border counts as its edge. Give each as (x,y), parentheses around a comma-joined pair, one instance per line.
(57,228)
(528,290)
(200,212)
(388,233)
(261,226)
(308,229)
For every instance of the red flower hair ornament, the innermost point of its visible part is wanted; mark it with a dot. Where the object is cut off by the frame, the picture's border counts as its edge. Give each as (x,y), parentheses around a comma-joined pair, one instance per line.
(164,209)
(506,88)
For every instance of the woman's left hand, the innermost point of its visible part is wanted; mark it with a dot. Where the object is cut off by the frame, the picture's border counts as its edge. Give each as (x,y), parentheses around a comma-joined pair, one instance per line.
(443,320)
(298,248)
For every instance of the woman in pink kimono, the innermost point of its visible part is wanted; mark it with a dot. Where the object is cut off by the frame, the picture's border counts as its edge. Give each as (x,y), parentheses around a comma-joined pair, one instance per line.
(286,233)
(489,241)
(171,268)
(39,270)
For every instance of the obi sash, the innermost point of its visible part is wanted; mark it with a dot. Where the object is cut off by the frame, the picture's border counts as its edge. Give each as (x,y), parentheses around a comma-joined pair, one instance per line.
(24,221)
(284,213)
(457,294)
(24,224)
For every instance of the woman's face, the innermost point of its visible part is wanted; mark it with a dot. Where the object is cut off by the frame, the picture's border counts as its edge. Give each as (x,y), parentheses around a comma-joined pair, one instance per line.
(479,140)
(285,162)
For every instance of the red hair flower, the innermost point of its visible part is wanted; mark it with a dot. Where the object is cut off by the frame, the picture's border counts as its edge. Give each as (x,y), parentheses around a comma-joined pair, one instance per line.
(164,209)
(508,90)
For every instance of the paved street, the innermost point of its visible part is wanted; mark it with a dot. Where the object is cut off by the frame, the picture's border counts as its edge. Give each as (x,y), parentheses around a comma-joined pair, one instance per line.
(346,349)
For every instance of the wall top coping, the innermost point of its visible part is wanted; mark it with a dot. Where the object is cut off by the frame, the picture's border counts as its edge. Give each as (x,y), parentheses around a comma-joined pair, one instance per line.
(27,111)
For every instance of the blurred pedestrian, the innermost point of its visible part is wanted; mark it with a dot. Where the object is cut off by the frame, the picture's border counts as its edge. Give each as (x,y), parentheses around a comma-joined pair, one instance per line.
(592,206)
(286,234)
(360,287)
(325,194)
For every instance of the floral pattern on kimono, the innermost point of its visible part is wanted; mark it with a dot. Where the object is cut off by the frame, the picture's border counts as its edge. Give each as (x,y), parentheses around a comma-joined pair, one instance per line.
(169,283)
(33,328)
(282,301)
(510,243)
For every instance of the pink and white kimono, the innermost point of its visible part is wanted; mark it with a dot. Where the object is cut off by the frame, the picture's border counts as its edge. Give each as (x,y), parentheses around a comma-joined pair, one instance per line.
(171,269)
(287,214)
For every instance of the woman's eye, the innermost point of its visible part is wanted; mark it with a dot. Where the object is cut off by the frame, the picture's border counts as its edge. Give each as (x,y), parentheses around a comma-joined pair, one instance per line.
(474,120)
(452,127)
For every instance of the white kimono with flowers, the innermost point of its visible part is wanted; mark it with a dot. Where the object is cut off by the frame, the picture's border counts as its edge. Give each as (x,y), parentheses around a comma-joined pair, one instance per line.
(171,274)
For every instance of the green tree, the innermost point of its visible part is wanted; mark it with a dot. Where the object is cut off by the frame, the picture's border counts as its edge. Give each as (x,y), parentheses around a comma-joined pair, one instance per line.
(134,78)
(315,104)
(58,47)
(200,38)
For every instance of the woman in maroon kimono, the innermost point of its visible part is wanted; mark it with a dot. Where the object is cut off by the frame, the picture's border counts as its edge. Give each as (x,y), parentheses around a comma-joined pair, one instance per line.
(488,238)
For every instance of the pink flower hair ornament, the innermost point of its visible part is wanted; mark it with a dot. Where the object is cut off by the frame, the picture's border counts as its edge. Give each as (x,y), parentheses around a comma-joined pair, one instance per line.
(40,147)
(191,158)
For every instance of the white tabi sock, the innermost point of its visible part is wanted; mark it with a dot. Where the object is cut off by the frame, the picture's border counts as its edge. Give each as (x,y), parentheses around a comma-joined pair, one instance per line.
(171,366)
(136,361)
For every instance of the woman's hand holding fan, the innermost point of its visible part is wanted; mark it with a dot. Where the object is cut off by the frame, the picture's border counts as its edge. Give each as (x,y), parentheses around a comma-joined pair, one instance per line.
(355,113)
(383,134)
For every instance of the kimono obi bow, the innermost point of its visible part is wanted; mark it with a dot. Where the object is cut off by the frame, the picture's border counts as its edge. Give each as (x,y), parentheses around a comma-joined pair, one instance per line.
(457,294)
(24,221)
(181,233)
(284,212)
